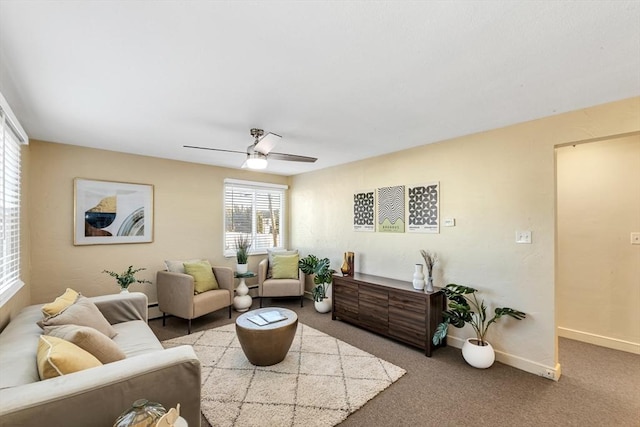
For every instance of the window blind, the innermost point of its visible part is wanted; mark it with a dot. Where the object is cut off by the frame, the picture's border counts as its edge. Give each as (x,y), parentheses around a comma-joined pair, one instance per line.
(256,210)
(11,139)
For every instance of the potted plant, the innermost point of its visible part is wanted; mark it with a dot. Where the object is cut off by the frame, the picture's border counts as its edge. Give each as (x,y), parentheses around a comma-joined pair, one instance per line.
(322,278)
(127,278)
(464,308)
(243,243)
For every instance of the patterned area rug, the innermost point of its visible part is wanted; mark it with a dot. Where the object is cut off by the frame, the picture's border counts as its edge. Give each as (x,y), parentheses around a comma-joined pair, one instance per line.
(320,382)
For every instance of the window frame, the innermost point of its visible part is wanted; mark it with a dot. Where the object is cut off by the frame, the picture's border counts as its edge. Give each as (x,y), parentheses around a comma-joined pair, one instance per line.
(254,186)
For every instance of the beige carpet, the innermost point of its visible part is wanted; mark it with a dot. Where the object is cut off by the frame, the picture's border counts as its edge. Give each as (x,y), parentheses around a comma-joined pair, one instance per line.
(320,382)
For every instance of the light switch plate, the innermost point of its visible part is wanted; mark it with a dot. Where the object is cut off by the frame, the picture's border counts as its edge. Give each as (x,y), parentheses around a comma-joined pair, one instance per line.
(635,238)
(523,237)
(449,222)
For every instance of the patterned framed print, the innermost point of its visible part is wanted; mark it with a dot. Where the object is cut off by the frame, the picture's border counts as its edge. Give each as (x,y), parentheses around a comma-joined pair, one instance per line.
(391,209)
(423,210)
(363,211)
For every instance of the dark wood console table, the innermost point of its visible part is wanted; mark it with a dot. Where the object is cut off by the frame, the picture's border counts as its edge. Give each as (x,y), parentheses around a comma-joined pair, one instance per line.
(390,307)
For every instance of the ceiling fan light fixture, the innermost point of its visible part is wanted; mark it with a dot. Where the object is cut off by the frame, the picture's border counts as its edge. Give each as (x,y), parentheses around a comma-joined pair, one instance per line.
(256,160)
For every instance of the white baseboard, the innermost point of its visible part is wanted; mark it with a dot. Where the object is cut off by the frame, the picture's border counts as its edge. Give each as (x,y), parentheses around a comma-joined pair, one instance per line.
(551,373)
(602,341)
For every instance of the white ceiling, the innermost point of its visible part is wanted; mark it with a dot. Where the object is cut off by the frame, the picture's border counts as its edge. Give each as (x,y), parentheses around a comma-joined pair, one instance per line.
(340,81)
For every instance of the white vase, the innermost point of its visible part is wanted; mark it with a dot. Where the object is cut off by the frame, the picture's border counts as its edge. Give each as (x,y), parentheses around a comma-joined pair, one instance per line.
(124,290)
(242,268)
(478,356)
(418,277)
(323,306)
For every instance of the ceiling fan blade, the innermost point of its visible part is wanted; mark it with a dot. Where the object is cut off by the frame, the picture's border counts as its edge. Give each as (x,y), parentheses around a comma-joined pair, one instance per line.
(267,143)
(214,149)
(291,157)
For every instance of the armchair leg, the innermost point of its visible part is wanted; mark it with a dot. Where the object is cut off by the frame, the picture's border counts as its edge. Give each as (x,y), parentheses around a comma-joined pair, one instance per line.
(229,312)
(189,328)
(164,315)
(260,302)
(302,300)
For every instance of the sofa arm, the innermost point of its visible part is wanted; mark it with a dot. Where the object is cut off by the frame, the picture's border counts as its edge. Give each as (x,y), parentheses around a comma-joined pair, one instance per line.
(123,307)
(97,396)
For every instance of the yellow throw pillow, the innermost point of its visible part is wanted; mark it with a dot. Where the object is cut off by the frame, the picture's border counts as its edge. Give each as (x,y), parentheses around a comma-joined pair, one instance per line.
(63,301)
(82,313)
(59,357)
(285,267)
(88,339)
(203,277)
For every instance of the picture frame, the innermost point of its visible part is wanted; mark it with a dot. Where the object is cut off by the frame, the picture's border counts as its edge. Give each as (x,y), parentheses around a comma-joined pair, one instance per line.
(423,208)
(111,212)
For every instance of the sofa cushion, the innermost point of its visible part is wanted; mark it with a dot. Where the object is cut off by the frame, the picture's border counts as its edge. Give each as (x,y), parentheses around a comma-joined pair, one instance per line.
(203,277)
(60,357)
(135,338)
(285,266)
(82,313)
(178,266)
(88,339)
(18,345)
(59,304)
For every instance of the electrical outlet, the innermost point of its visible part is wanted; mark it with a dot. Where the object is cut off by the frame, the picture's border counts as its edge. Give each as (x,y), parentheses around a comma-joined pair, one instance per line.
(449,222)
(635,238)
(523,237)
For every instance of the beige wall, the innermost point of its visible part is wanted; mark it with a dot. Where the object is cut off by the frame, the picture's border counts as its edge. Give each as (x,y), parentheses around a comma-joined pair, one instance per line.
(493,184)
(188,217)
(598,280)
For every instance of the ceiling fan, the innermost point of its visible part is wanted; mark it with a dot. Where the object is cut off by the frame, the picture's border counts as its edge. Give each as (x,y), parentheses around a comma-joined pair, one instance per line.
(258,153)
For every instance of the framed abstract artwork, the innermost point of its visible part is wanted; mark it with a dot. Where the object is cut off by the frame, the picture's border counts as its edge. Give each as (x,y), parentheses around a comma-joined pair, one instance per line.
(108,212)
(423,211)
(391,209)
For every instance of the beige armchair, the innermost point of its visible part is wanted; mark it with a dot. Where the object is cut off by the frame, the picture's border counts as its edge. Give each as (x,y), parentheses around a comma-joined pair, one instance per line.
(176,295)
(275,288)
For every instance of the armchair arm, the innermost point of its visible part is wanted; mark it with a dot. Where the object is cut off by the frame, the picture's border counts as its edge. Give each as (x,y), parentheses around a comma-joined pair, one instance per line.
(262,271)
(175,293)
(224,276)
(124,307)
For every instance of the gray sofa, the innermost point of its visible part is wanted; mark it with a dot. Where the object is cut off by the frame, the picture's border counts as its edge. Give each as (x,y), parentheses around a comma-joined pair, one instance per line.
(96,396)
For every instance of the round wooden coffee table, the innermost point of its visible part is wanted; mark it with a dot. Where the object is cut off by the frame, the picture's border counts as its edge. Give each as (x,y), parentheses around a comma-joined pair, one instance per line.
(268,344)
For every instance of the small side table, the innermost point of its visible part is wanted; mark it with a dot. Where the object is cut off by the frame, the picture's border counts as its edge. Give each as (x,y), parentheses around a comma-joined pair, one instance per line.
(242,301)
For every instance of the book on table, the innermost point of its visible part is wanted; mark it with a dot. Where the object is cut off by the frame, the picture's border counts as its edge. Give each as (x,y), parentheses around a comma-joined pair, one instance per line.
(267,317)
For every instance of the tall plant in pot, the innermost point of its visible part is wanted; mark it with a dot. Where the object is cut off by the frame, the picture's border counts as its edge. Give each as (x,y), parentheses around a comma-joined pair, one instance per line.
(322,278)
(243,243)
(464,307)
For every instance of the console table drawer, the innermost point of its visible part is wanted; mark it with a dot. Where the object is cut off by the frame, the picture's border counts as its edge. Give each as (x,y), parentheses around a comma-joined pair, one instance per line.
(407,303)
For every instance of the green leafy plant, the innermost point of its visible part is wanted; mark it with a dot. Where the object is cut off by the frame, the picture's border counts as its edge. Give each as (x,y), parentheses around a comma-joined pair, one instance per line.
(243,243)
(127,278)
(323,274)
(464,308)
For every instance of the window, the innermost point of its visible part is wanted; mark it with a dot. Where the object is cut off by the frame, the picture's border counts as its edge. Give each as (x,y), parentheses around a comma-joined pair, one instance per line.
(11,138)
(255,209)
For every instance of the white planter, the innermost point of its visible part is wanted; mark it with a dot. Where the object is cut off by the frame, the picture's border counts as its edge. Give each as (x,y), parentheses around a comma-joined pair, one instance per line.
(242,268)
(323,306)
(478,356)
